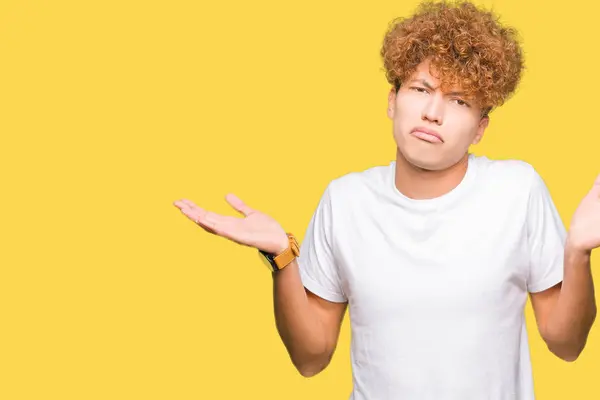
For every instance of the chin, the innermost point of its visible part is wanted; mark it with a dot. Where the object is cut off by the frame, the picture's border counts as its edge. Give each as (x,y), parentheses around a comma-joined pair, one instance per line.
(426,164)
(425,160)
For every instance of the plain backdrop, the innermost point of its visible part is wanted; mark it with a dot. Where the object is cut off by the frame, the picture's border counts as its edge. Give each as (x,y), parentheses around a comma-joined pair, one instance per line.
(111,110)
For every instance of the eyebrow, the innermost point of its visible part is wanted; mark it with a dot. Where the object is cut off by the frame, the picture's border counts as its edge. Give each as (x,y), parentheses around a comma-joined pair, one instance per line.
(430,87)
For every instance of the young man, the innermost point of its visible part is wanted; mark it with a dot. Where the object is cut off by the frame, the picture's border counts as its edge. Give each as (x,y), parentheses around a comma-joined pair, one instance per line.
(435,253)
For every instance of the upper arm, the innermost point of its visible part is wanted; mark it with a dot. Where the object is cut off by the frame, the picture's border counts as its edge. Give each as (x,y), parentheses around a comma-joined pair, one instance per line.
(319,266)
(546,236)
(331,315)
(542,304)
(321,272)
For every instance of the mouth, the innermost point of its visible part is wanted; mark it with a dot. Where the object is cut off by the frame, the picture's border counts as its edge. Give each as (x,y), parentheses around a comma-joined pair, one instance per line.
(427,135)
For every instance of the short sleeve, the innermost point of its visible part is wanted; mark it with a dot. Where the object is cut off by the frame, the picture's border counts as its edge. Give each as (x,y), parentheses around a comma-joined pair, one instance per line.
(318,268)
(546,238)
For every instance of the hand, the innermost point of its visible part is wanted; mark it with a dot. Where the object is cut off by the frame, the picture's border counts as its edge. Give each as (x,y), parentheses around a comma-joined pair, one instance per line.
(584,233)
(256,229)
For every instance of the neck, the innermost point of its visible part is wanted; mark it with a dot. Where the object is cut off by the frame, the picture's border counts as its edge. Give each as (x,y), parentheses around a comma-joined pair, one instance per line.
(420,184)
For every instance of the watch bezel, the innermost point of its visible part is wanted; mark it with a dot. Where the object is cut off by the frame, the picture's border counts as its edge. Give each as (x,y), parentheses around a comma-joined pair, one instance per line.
(270,260)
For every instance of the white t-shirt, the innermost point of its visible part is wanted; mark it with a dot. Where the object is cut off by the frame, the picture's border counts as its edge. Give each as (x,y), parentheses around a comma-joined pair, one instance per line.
(436,288)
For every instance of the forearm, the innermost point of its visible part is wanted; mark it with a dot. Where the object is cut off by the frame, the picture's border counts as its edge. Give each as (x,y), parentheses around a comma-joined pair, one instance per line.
(575,309)
(297,323)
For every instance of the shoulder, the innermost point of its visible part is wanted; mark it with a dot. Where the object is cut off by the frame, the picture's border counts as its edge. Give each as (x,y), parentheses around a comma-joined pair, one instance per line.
(513,170)
(507,174)
(355,184)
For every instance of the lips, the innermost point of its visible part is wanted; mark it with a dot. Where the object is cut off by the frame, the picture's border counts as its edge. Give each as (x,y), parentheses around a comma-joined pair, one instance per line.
(428,135)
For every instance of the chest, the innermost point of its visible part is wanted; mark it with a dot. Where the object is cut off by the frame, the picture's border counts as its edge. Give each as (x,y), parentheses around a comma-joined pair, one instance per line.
(473,260)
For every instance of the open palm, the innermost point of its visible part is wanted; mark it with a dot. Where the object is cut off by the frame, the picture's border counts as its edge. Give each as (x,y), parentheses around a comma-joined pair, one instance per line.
(254,229)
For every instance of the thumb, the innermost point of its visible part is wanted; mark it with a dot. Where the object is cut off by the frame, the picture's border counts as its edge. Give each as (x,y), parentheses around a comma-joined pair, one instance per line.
(238,204)
(597,181)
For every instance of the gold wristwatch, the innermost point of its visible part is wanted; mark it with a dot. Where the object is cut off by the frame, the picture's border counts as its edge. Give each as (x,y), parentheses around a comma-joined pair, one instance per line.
(276,262)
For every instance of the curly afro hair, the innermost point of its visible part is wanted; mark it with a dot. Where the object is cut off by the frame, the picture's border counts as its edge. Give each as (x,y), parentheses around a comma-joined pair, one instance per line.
(466,46)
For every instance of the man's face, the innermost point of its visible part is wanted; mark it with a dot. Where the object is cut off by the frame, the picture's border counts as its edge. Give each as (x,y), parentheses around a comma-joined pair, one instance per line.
(433,130)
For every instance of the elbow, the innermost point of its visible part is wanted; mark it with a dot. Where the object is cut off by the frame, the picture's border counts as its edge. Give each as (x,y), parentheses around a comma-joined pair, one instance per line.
(568,346)
(313,367)
(568,355)
(309,372)
(567,349)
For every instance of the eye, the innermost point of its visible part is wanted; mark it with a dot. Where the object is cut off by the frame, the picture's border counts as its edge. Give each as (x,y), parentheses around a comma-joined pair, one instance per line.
(461,102)
(419,89)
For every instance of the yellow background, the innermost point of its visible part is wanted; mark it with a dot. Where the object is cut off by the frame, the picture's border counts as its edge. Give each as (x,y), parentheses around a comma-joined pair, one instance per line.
(111,110)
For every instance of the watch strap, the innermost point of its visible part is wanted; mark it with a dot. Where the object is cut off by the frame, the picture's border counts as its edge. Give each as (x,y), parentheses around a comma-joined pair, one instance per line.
(284,258)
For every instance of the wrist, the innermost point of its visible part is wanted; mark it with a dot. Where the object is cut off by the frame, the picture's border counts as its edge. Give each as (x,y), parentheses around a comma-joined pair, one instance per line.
(573,251)
(281,253)
(281,245)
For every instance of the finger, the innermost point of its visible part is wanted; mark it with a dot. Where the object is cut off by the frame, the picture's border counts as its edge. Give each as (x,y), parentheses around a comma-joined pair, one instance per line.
(197,214)
(205,222)
(188,207)
(184,204)
(191,210)
(597,182)
(179,204)
(212,222)
(190,204)
(238,204)
(192,213)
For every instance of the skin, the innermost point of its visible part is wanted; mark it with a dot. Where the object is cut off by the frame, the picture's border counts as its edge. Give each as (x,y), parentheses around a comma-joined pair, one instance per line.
(429,169)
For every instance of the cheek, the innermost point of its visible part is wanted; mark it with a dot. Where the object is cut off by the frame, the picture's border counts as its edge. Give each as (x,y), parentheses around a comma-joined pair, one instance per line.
(460,121)
(407,114)
(460,133)
(408,107)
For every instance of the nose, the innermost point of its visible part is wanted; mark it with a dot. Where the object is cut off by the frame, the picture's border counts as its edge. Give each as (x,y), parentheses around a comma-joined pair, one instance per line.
(434,110)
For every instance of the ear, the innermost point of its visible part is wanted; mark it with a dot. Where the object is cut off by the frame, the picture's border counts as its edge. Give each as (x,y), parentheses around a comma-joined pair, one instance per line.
(481,129)
(391,103)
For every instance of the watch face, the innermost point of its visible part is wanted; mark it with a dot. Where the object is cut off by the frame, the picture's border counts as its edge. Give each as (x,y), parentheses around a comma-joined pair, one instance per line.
(267,261)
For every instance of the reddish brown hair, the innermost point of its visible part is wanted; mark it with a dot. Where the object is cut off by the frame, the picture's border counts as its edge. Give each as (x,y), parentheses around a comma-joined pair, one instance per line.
(467,47)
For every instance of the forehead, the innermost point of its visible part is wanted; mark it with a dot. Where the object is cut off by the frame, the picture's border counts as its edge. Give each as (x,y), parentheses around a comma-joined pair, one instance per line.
(425,73)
